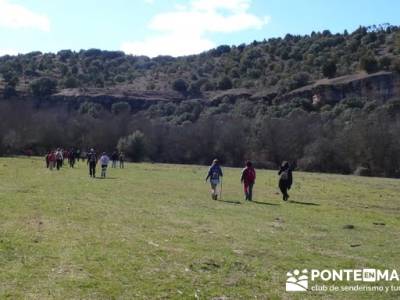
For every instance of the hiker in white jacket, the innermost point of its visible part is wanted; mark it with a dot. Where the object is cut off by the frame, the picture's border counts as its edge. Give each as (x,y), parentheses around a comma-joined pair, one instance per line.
(104,160)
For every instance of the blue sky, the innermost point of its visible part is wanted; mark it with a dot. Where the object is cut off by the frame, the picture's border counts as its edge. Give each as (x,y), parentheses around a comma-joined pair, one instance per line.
(180,27)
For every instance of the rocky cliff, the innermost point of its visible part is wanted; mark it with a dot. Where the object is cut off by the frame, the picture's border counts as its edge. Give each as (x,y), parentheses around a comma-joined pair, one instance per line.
(107,96)
(378,86)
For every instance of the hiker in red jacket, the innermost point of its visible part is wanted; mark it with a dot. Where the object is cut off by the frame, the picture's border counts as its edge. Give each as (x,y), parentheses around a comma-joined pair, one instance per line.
(248,178)
(52,160)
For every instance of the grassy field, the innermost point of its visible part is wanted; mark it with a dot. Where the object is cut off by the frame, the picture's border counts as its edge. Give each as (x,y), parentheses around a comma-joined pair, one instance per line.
(151,231)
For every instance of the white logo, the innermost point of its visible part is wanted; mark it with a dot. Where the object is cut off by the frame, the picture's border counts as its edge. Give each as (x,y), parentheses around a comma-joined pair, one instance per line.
(369,275)
(314,280)
(296,282)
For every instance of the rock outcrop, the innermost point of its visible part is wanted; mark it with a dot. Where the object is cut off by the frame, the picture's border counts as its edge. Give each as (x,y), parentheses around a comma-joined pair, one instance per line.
(107,96)
(378,86)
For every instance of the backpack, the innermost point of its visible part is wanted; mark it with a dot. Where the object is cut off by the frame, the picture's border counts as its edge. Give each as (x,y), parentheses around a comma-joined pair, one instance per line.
(59,155)
(215,173)
(284,175)
(92,157)
(250,174)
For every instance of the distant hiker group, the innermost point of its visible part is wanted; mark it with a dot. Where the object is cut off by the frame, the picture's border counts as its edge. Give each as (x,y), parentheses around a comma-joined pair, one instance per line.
(248,178)
(55,160)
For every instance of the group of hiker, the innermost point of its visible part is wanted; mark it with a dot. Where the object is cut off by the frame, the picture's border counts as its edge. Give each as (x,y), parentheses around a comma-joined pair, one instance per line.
(248,178)
(92,160)
(55,159)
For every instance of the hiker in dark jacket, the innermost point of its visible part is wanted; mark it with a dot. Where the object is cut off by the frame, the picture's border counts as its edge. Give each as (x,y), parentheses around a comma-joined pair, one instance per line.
(214,174)
(121,160)
(92,161)
(77,154)
(71,158)
(285,179)
(114,159)
(248,179)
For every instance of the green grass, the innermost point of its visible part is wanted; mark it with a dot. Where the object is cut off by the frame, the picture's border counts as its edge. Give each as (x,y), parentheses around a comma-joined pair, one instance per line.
(152,231)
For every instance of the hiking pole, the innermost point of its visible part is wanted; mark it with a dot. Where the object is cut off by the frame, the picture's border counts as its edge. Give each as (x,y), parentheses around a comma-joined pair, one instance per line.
(220,191)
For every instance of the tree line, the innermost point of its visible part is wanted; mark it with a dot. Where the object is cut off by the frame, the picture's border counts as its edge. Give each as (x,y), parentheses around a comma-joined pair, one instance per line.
(355,136)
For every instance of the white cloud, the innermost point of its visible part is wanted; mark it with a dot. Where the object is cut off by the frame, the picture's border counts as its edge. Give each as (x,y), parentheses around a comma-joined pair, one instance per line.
(212,5)
(183,31)
(16,16)
(169,44)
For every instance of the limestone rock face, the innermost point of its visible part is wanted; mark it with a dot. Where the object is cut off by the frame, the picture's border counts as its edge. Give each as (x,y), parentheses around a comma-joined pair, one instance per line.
(378,86)
(107,96)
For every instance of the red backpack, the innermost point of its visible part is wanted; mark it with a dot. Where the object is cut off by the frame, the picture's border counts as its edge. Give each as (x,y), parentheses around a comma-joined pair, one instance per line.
(250,175)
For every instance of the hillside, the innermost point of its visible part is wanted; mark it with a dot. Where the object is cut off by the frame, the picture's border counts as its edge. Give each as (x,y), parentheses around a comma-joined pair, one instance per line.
(282,64)
(326,102)
(151,231)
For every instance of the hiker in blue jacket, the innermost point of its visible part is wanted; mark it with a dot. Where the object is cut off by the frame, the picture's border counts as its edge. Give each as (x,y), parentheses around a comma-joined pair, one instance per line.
(214,174)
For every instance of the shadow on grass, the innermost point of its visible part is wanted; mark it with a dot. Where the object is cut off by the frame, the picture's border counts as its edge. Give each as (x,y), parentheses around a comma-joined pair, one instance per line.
(304,203)
(231,202)
(264,203)
(106,178)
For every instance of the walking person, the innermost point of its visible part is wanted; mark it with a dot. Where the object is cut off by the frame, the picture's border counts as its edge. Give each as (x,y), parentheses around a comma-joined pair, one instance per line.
(65,155)
(248,179)
(92,161)
(52,160)
(83,155)
(214,174)
(285,179)
(59,159)
(71,158)
(121,160)
(104,160)
(77,154)
(114,158)
(47,159)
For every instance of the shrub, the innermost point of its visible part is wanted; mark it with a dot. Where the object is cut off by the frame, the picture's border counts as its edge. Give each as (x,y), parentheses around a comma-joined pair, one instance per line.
(92,109)
(119,78)
(133,145)
(329,69)
(71,82)
(225,83)
(385,62)
(43,87)
(369,63)
(120,107)
(9,91)
(362,171)
(180,85)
